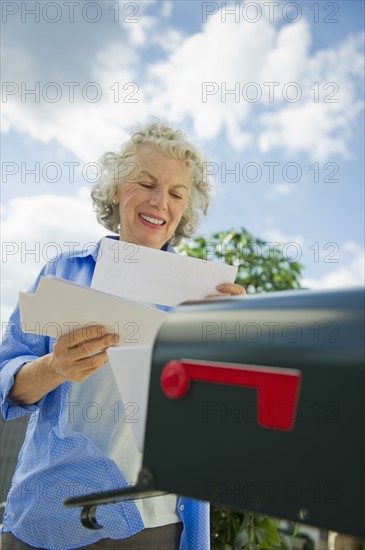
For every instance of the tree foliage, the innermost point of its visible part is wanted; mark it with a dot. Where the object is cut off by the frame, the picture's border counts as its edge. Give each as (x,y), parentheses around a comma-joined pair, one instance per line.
(245,531)
(262,267)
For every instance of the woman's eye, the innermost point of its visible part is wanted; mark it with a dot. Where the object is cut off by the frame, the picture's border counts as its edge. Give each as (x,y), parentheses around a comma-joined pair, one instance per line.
(146,185)
(176,196)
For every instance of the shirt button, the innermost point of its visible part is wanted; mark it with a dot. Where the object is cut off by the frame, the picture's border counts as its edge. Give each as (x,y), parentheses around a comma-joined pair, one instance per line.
(182,507)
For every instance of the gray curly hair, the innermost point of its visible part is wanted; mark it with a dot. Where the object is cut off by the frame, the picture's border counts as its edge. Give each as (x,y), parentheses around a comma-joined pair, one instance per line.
(116,167)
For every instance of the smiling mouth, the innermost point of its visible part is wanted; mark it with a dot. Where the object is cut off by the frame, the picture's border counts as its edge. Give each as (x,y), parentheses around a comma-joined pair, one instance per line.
(150,219)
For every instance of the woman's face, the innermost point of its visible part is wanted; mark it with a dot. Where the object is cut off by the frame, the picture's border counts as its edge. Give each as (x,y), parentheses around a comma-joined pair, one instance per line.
(153,198)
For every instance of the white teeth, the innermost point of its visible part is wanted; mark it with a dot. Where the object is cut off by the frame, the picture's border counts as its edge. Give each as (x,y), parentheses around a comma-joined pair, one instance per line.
(152,220)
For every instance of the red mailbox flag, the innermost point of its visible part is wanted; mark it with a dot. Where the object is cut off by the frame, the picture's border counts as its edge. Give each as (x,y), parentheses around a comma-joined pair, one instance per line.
(277,388)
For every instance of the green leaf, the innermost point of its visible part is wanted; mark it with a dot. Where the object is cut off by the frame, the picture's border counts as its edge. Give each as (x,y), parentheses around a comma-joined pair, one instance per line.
(287,541)
(271,526)
(241,540)
(245,521)
(260,534)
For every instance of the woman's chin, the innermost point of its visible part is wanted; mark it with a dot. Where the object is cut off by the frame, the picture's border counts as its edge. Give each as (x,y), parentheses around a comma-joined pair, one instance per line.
(151,241)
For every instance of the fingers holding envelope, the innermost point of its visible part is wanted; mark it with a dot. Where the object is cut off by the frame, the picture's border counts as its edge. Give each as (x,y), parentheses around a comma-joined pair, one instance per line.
(233,289)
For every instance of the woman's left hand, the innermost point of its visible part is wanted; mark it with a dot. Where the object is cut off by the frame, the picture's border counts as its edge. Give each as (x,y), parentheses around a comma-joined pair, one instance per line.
(232,289)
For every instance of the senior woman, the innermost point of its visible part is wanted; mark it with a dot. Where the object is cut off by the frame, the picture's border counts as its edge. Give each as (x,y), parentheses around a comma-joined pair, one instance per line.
(152,193)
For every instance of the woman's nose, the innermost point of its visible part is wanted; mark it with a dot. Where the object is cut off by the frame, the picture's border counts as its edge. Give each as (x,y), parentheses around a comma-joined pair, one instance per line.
(159,198)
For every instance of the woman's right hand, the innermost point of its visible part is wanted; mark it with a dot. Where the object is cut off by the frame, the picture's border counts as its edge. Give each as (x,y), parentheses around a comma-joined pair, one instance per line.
(79,354)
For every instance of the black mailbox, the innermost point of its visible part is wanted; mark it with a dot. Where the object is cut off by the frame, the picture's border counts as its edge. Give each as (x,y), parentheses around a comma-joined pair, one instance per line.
(257,403)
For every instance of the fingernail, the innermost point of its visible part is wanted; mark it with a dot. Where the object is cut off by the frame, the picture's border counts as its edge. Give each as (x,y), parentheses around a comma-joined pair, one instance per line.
(116,338)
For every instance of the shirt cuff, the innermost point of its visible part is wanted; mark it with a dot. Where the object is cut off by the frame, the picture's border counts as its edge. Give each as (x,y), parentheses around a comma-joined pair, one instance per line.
(9,409)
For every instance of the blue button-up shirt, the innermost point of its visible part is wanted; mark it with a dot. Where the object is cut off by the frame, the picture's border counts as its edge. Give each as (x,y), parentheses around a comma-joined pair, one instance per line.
(56,462)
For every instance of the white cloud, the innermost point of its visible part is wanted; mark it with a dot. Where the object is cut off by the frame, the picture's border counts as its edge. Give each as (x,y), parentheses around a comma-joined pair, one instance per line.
(344,266)
(145,28)
(76,122)
(294,127)
(280,189)
(35,230)
(349,274)
(285,63)
(320,124)
(17,61)
(82,126)
(190,82)
(166,8)
(274,235)
(277,57)
(169,84)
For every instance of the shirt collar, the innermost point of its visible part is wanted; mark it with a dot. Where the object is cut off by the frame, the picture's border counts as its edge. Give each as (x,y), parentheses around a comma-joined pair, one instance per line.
(93,249)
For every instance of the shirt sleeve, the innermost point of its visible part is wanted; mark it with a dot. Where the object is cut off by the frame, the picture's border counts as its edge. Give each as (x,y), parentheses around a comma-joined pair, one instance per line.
(17,349)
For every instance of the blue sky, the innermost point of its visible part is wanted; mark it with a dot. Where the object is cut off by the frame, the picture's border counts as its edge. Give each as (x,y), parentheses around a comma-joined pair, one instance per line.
(293,128)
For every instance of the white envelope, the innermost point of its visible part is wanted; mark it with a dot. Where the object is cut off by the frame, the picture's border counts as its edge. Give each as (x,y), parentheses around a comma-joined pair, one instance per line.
(150,275)
(131,368)
(59,306)
(25,301)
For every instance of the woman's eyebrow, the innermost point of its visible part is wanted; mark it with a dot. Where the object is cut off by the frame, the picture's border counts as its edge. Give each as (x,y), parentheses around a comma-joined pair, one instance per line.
(156,180)
(180,185)
(149,175)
